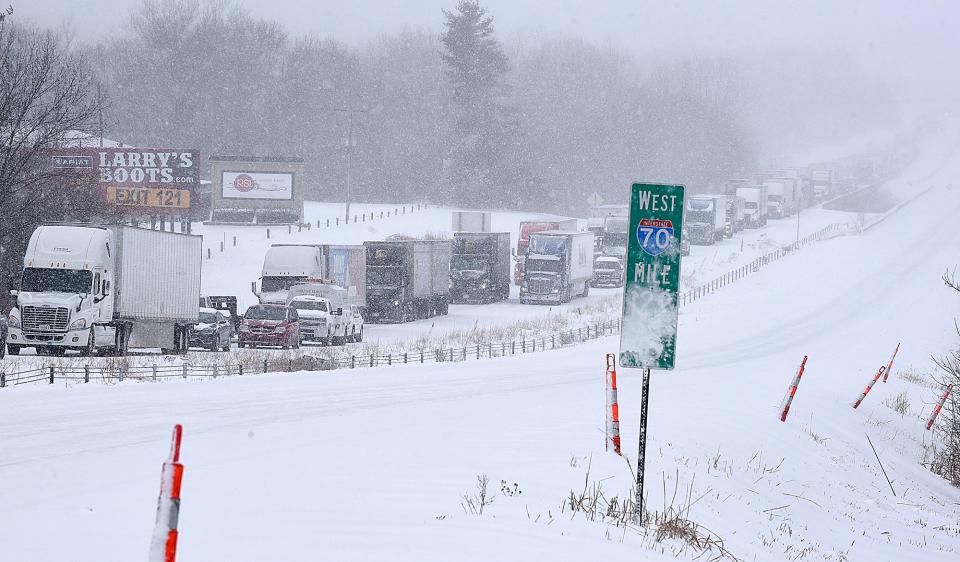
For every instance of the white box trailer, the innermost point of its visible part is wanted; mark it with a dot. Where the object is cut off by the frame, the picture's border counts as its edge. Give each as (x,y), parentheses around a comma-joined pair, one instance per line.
(471,221)
(755,205)
(106,288)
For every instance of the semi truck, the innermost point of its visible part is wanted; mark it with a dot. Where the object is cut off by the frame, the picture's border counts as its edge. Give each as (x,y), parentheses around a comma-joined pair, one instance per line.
(736,214)
(754,206)
(286,265)
(529,227)
(781,197)
(471,221)
(558,266)
(407,279)
(480,267)
(706,218)
(103,289)
(615,236)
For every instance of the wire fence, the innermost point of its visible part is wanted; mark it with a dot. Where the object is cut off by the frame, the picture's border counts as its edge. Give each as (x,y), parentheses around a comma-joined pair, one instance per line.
(273,231)
(118,370)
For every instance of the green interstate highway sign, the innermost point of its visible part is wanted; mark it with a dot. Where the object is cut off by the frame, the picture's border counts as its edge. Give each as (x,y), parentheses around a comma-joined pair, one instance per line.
(649,331)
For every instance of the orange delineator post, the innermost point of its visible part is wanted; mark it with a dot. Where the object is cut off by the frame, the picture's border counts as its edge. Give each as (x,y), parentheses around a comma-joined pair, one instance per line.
(792,391)
(612,409)
(886,373)
(163,546)
(870,384)
(939,406)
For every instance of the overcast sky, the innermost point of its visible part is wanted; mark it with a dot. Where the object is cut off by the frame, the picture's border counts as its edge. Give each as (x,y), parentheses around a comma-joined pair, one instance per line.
(912,44)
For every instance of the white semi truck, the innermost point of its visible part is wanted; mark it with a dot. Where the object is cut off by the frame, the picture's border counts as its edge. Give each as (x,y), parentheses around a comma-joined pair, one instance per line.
(706,218)
(106,289)
(558,267)
(781,197)
(286,265)
(755,205)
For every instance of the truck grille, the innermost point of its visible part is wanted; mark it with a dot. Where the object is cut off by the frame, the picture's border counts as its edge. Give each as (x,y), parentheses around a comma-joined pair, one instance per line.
(45,318)
(539,285)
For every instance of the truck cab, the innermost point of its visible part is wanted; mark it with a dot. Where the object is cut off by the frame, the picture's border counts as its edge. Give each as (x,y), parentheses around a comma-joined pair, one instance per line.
(62,300)
(284,266)
(558,266)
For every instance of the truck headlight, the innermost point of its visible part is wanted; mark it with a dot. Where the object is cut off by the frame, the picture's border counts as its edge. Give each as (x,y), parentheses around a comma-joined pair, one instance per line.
(556,290)
(78,324)
(396,302)
(13,321)
(484,284)
(279,330)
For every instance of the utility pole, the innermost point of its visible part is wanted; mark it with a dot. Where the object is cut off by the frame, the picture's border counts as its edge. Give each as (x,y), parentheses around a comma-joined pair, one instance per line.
(349,111)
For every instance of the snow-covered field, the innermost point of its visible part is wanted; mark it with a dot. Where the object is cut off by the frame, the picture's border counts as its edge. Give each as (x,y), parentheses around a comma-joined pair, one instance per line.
(373,464)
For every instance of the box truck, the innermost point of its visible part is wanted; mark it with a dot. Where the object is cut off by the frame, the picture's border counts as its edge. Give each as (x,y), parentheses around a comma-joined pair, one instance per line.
(480,267)
(105,289)
(407,279)
(558,266)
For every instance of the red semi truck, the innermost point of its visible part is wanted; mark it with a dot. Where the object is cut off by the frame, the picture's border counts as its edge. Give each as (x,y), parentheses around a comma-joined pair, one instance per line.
(529,227)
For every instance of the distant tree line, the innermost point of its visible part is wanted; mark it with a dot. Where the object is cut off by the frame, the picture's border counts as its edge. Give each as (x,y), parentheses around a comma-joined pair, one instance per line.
(450,116)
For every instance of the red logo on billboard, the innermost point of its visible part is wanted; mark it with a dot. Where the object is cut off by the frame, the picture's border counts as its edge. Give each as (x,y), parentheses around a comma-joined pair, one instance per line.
(244,183)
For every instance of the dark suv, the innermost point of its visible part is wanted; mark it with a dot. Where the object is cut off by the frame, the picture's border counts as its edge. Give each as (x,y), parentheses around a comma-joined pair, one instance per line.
(270,324)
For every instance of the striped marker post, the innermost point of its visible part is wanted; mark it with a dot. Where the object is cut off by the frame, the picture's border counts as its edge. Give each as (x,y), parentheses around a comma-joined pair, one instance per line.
(792,391)
(870,384)
(939,406)
(612,408)
(886,373)
(163,546)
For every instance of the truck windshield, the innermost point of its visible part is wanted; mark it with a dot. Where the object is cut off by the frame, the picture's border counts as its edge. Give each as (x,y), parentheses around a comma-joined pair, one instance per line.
(700,205)
(750,205)
(310,305)
(549,266)
(38,280)
(611,265)
(272,284)
(462,262)
(383,276)
(615,239)
(265,313)
(208,318)
(548,245)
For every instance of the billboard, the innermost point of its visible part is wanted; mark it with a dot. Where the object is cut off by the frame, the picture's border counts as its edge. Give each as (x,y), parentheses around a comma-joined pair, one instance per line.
(257,185)
(145,180)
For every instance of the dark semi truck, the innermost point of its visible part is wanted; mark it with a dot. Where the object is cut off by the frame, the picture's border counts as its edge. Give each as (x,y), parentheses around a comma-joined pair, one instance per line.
(480,267)
(407,279)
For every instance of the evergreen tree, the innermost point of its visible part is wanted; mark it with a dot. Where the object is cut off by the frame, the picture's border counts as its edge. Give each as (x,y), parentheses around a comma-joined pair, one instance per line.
(478,168)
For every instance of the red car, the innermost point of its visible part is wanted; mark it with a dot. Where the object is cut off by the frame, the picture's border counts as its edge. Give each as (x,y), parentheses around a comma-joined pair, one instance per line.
(270,324)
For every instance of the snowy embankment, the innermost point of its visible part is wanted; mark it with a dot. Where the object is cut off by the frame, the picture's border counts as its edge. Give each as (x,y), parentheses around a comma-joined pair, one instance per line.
(373,464)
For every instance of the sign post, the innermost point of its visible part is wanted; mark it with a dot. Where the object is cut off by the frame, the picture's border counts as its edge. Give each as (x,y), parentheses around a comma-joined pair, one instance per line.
(649,330)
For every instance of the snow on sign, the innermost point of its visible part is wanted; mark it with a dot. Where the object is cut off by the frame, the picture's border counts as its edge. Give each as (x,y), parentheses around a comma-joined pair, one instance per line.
(649,333)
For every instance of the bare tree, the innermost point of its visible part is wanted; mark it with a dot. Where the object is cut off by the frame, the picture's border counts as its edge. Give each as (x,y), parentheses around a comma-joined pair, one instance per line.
(946,460)
(46,95)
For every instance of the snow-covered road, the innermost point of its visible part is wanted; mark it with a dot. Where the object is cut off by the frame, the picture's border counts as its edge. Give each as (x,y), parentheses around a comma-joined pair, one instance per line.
(372,464)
